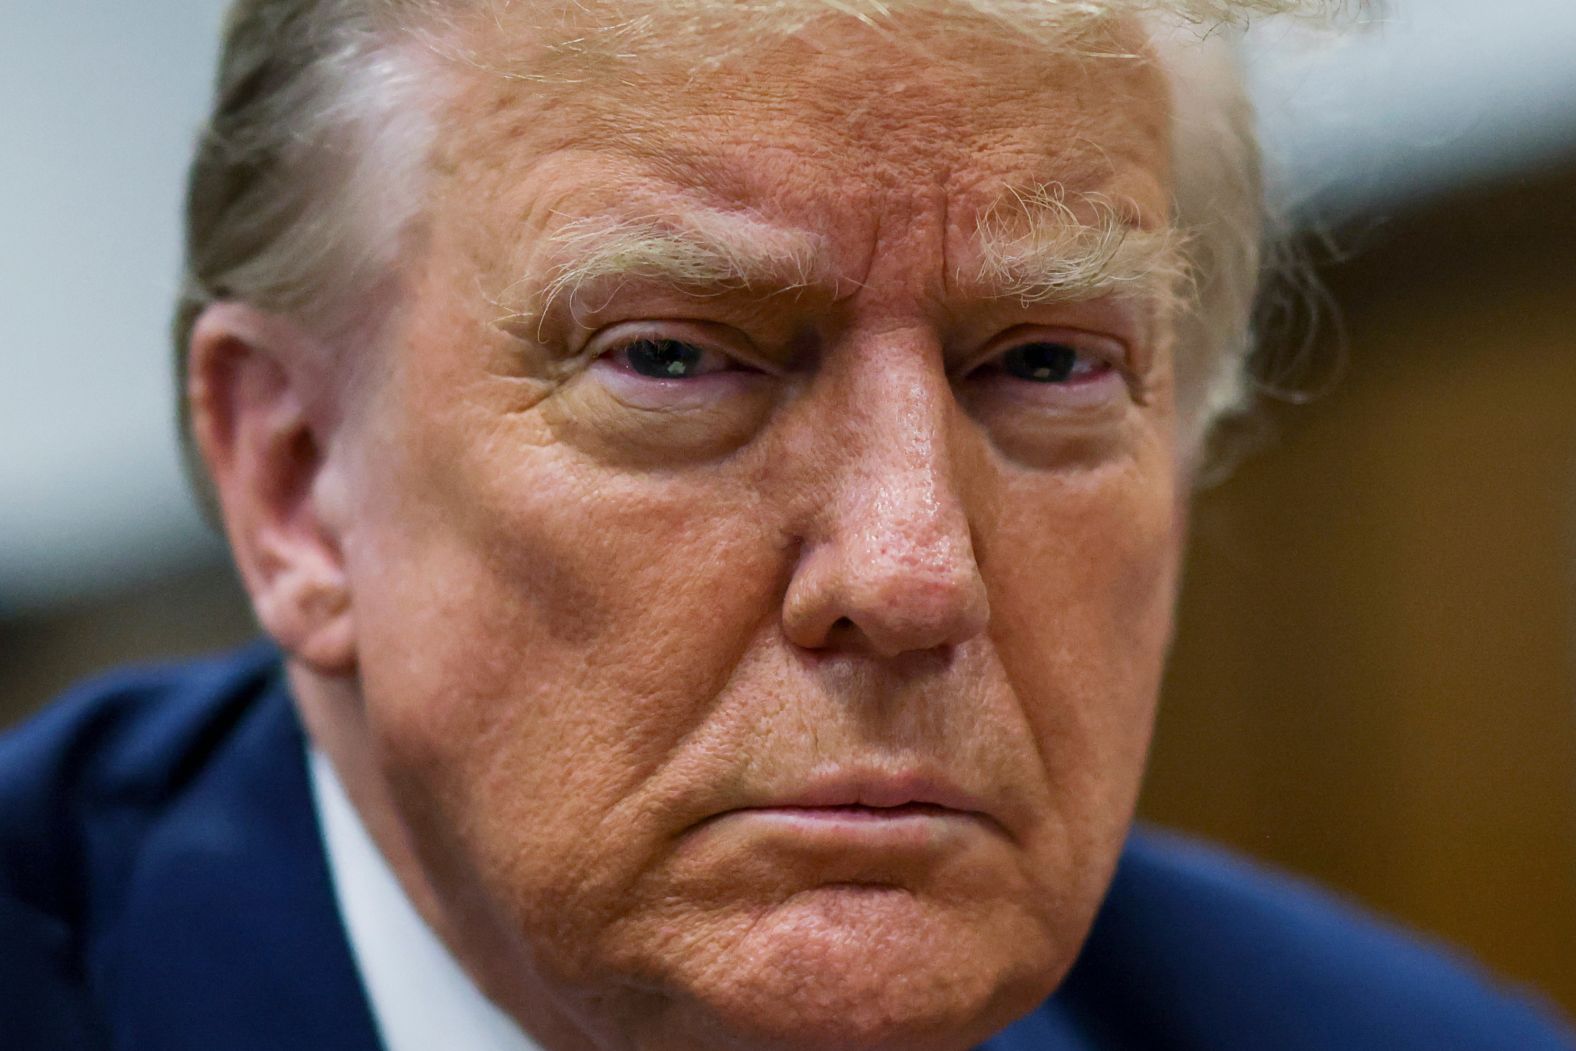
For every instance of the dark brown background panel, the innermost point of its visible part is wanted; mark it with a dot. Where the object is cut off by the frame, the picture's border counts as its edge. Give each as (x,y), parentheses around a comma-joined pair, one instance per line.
(1374,681)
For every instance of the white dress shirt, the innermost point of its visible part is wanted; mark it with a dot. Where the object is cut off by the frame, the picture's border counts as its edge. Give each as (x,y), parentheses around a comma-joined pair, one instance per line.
(422,999)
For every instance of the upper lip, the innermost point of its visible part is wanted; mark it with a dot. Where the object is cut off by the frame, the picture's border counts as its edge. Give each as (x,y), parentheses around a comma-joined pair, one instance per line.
(878,790)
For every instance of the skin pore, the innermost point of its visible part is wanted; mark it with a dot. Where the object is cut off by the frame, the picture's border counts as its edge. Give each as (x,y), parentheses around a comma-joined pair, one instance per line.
(630,608)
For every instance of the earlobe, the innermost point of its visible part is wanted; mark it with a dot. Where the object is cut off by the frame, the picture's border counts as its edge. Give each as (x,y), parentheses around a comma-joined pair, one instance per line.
(253,382)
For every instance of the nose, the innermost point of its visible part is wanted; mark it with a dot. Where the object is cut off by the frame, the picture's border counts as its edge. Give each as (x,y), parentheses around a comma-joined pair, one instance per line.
(889,563)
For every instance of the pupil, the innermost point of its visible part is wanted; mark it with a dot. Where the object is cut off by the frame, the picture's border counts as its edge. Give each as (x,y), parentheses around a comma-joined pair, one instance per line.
(1041,362)
(663,358)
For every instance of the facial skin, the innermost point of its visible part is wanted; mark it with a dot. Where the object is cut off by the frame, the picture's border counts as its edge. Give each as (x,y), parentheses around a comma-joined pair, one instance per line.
(607,660)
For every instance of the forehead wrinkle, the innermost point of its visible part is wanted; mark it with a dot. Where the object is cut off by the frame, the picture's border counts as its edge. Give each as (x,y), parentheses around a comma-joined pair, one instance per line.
(1044,244)
(1015,255)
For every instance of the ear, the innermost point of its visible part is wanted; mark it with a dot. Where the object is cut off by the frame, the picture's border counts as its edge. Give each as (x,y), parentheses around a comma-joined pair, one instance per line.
(255,386)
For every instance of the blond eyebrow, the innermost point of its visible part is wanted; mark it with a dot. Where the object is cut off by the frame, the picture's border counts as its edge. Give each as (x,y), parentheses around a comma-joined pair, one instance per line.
(1043,245)
(702,251)
(1036,246)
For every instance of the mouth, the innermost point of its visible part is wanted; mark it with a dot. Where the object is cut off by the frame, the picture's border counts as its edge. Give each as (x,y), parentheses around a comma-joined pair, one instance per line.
(870,802)
(860,812)
(892,794)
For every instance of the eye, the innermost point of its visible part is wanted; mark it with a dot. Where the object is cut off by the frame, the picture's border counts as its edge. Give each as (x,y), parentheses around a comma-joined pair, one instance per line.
(1052,363)
(673,365)
(667,359)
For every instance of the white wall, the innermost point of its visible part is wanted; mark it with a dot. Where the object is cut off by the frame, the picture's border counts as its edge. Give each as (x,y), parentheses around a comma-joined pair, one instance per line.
(1436,95)
(101,99)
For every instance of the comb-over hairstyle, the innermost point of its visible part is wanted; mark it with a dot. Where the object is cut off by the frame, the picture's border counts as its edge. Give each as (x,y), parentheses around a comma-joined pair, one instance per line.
(309,172)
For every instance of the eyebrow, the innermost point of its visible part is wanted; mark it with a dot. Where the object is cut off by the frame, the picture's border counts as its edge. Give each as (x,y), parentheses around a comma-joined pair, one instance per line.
(704,251)
(1045,245)
(1039,245)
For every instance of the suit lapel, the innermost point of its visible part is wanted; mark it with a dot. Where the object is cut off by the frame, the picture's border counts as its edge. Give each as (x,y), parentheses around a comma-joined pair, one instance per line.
(230,937)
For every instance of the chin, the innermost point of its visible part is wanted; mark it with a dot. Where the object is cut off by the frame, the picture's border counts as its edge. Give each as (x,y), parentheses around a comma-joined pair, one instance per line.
(851,967)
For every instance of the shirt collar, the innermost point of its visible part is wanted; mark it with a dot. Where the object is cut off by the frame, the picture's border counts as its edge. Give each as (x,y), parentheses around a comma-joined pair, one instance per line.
(421,997)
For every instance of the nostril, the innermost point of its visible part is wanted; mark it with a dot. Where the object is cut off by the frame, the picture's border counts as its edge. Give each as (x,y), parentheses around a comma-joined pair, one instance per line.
(842,630)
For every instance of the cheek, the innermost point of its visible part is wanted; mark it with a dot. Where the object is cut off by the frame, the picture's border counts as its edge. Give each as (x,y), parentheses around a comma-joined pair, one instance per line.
(1082,611)
(540,636)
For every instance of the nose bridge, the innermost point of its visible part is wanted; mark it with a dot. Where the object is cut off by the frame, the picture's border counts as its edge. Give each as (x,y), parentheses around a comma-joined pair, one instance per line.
(891,558)
(900,493)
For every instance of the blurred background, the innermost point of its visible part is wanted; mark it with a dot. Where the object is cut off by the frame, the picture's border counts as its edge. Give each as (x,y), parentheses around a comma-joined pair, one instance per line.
(1374,681)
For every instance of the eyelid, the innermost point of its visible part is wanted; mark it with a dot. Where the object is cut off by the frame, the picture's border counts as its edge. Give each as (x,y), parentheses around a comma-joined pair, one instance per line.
(707,335)
(1109,349)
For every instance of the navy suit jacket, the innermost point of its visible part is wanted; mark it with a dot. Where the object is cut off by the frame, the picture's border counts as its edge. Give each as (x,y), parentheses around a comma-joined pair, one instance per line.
(163,886)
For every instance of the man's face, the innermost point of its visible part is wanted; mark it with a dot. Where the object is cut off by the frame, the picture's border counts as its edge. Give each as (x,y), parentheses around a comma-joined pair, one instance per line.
(773,657)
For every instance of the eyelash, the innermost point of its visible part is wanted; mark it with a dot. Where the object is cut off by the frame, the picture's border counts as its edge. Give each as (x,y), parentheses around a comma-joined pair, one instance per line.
(657,344)
(1059,363)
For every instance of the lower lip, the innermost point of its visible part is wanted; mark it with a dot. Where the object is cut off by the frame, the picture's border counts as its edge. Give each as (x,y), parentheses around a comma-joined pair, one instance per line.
(854,826)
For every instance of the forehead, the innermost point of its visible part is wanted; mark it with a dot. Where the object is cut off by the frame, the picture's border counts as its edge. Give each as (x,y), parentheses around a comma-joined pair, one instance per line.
(838,129)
